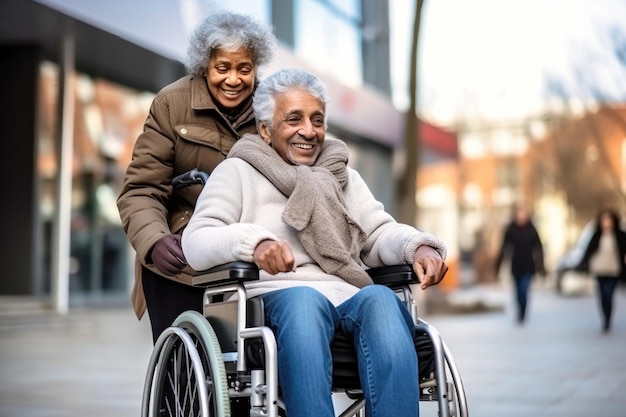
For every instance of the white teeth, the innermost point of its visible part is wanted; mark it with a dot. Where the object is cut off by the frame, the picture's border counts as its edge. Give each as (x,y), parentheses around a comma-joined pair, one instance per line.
(303,146)
(230,93)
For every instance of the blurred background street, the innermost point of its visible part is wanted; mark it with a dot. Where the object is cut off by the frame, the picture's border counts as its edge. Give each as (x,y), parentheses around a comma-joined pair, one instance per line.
(92,362)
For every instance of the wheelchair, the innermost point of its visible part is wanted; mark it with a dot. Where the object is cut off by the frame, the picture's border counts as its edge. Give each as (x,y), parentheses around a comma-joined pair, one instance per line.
(224,362)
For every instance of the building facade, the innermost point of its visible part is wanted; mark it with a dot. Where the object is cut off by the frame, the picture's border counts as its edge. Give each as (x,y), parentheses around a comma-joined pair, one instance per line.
(80,80)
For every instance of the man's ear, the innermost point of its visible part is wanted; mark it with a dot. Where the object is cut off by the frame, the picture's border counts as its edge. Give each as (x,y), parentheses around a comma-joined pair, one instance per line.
(264,131)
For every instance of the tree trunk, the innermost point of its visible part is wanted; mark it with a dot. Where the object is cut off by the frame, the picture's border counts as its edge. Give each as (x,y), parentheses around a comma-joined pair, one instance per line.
(406,185)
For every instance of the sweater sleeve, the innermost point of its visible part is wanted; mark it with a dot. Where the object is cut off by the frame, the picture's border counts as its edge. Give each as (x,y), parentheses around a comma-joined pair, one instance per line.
(214,235)
(388,242)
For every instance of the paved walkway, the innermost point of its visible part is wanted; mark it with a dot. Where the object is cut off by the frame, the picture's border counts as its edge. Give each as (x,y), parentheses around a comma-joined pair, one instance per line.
(557,364)
(92,362)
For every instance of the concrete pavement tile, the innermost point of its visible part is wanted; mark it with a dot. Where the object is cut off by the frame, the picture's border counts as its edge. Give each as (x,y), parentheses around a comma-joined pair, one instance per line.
(557,363)
(90,363)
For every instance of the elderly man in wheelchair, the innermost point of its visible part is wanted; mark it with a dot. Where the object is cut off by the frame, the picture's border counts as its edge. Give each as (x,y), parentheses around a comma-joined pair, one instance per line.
(290,242)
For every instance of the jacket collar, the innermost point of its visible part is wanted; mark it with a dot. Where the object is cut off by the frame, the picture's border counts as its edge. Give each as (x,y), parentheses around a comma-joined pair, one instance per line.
(201,100)
(200,97)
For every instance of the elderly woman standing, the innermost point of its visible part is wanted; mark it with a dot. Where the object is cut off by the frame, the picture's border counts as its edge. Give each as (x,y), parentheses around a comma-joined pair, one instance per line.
(605,258)
(193,123)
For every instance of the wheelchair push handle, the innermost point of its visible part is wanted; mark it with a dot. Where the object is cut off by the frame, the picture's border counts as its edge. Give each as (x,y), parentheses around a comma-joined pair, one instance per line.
(192,177)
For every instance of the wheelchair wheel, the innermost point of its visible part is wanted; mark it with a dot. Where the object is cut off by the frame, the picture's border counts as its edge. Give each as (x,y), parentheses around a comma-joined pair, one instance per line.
(458,406)
(445,389)
(186,376)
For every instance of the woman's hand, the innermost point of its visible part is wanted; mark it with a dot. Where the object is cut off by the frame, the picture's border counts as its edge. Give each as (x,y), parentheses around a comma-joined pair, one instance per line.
(274,256)
(428,266)
(167,255)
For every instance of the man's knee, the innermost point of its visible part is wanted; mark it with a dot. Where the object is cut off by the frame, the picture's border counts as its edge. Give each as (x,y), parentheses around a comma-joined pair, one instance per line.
(378,296)
(378,309)
(377,290)
(303,298)
(302,305)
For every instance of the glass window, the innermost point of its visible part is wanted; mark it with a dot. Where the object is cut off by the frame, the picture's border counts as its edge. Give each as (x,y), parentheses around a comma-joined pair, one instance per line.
(328,36)
(108,118)
(350,8)
(257,8)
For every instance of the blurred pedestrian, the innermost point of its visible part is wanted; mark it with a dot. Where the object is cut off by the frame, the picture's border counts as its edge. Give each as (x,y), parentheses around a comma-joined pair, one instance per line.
(522,246)
(605,259)
(192,123)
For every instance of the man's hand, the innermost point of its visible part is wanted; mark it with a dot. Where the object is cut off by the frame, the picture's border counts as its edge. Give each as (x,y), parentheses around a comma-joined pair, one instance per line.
(428,266)
(274,256)
(167,255)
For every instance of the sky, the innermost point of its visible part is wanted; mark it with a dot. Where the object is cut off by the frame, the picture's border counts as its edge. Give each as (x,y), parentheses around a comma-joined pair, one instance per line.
(477,58)
(489,58)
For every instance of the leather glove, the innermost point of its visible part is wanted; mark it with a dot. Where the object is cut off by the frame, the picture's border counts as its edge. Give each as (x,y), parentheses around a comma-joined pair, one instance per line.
(167,255)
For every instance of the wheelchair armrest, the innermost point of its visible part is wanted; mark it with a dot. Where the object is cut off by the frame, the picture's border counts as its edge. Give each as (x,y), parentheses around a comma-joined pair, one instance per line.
(230,273)
(393,276)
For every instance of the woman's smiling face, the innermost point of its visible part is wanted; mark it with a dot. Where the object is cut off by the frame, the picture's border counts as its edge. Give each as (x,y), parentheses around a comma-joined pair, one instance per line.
(298,127)
(230,77)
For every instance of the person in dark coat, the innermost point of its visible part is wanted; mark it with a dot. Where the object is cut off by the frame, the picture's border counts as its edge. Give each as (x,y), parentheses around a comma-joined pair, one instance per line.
(522,245)
(605,258)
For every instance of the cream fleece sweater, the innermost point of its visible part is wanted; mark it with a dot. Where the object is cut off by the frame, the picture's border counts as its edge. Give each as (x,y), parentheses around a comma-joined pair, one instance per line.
(238,208)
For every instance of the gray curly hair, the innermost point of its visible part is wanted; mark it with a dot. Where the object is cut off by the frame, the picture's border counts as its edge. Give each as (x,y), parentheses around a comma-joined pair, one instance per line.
(229,31)
(264,101)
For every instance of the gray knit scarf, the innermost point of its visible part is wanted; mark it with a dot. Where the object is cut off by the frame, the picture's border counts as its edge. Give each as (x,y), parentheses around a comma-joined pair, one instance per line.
(315,208)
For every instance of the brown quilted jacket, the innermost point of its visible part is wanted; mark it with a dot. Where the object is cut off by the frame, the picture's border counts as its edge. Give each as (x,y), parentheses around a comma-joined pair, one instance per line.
(183,130)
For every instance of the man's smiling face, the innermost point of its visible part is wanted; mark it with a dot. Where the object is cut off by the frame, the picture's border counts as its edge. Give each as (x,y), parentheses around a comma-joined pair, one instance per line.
(298,127)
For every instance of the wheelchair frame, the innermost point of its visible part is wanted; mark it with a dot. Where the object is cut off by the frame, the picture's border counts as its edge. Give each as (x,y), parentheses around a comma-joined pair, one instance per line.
(187,373)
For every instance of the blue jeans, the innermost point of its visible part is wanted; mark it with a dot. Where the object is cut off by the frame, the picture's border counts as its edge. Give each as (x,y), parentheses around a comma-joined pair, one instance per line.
(522,286)
(304,322)
(606,289)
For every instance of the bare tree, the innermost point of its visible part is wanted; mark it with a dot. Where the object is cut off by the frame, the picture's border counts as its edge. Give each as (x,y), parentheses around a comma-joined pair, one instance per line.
(406,184)
(574,161)
(581,163)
